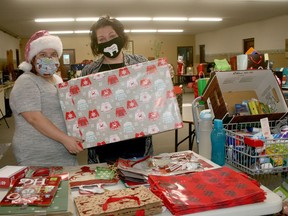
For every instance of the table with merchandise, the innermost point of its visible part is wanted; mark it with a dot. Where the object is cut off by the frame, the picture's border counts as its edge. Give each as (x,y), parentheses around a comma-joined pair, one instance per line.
(95,188)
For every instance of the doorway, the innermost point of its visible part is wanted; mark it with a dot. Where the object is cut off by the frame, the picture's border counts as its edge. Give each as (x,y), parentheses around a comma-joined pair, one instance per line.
(66,60)
(247,43)
(202,53)
(187,53)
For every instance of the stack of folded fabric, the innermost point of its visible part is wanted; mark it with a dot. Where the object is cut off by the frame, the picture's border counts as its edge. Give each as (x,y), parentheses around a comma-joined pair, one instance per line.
(202,191)
(128,202)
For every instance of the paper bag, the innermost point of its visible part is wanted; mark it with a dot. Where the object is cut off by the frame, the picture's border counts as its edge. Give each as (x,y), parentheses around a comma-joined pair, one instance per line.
(256,61)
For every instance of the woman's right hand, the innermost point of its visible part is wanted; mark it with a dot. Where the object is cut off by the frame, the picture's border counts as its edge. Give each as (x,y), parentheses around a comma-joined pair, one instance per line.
(47,128)
(73,145)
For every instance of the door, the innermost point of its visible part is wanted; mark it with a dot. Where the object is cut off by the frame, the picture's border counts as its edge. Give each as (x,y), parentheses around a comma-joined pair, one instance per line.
(247,43)
(66,60)
(187,53)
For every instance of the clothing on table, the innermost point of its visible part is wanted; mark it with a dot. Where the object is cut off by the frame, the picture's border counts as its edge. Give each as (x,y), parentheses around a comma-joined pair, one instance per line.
(30,147)
(138,147)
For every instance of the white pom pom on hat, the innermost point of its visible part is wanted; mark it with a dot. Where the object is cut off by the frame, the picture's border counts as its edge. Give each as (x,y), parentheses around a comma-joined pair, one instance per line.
(39,41)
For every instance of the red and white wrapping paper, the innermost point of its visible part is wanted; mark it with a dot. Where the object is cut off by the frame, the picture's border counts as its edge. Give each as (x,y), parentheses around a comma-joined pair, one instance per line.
(120,104)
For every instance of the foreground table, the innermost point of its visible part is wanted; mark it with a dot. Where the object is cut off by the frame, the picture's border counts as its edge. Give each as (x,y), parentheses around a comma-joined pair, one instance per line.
(271,205)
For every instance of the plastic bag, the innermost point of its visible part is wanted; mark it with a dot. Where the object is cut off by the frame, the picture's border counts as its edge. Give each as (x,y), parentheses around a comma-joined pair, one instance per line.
(222,65)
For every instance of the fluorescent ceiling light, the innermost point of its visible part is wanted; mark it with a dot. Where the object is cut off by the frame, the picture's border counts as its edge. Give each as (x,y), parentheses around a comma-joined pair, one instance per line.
(61,32)
(81,31)
(170,19)
(170,30)
(203,19)
(87,19)
(143,30)
(126,30)
(134,18)
(55,20)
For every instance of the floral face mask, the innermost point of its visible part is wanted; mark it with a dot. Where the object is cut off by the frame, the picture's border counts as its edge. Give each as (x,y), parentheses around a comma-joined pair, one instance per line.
(47,66)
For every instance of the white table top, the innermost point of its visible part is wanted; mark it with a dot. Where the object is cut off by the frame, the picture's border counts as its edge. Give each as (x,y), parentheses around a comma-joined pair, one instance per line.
(272,204)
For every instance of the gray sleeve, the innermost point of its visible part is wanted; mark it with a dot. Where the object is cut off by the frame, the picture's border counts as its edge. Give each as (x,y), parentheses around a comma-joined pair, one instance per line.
(25,96)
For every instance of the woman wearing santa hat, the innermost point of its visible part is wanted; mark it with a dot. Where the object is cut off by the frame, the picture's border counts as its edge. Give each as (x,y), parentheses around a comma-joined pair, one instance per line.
(40,136)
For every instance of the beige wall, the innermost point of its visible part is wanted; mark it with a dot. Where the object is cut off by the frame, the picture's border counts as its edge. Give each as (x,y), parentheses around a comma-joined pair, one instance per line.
(143,44)
(224,43)
(269,37)
(7,42)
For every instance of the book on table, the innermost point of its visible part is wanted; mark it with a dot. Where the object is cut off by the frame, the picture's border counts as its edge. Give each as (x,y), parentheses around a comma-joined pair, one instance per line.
(32,191)
(61,205)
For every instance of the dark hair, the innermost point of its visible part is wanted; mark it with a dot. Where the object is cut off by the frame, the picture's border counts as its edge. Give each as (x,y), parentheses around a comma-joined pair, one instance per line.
(33,69)
(102,22)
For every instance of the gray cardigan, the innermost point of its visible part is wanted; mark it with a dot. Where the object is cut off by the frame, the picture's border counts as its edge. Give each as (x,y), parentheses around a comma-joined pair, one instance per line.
(96,65)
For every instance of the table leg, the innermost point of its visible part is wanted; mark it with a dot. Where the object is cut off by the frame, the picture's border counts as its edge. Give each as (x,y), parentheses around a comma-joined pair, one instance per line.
(176,140)
(191,136)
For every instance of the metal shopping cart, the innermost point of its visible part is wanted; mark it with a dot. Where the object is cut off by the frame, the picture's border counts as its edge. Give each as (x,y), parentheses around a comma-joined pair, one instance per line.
(256,156)
(260,159)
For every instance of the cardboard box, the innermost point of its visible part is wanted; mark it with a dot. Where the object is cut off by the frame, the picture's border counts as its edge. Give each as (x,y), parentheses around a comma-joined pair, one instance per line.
(9,174)
(225,89)
(282,190)
(120,104)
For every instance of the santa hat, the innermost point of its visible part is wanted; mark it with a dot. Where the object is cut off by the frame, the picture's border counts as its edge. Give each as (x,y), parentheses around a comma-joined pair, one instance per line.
(39,41)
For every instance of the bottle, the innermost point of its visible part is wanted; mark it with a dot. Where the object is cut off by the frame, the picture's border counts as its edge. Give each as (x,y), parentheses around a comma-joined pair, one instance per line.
(218,141)
(205,128)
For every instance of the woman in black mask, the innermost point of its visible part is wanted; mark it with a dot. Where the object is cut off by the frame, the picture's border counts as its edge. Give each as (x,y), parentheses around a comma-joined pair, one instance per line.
(107,41)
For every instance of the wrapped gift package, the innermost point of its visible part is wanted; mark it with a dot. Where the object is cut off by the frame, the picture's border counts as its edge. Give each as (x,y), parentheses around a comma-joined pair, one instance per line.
(136,201)
(120,104)
(9,174)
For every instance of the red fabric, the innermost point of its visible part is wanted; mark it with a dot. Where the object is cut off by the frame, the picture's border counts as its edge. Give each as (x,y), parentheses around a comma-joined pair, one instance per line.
(207,190)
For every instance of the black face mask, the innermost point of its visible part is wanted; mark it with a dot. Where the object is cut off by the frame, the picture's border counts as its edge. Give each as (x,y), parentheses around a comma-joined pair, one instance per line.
(112,48)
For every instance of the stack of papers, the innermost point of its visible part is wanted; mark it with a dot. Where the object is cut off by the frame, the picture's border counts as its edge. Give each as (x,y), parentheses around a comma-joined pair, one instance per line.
(138,170)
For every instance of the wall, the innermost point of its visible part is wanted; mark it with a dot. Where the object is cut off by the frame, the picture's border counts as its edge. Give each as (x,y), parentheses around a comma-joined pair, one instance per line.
(7,42)
(144,44)
(269,36)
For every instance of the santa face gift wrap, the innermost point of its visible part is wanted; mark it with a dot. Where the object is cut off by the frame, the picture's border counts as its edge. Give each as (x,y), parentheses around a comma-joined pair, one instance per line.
(121,104)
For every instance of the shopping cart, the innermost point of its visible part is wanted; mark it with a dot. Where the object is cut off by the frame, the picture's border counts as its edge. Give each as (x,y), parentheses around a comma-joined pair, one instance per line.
(256,156)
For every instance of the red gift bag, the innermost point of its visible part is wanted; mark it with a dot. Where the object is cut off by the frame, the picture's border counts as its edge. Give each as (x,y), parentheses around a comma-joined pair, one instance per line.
(207,190)
(256,61)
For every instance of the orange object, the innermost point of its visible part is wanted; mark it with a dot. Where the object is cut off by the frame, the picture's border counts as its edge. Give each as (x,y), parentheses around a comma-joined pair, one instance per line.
(178,89)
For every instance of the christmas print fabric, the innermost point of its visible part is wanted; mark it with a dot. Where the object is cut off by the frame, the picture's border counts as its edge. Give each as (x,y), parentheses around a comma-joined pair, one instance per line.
(120,104)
